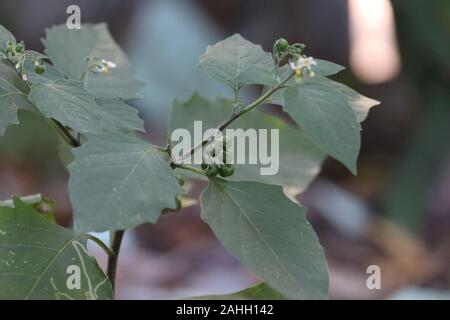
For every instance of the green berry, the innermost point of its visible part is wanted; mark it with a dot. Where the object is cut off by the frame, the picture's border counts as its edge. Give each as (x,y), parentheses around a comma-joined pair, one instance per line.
(20,47)
(212,170)
(40,69)
(281,45)
(226,170)
(204,165)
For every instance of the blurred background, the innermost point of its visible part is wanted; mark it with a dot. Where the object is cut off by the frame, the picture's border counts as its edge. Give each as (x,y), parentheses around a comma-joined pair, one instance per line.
(395,213)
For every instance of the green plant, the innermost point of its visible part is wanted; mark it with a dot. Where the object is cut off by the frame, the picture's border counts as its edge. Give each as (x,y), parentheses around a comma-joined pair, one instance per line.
(118,181)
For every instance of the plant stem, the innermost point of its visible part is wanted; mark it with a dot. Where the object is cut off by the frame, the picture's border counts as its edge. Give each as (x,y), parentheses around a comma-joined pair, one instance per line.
(235,115)
(116,241)
(64,133)
(254,104)
(100,244)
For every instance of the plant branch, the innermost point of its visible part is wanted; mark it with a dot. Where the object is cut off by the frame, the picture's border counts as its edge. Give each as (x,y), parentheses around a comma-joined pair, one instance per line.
(64,133)
(116,241)
(100,244)
(235,115)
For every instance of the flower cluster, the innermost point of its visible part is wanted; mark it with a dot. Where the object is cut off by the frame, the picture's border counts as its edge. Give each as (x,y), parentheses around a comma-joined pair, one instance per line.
(297,61)
(216,157)
(97,65)
(303,64)
(16,54)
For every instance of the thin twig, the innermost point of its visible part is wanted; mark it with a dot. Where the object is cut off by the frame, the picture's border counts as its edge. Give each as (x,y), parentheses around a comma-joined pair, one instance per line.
(235,116)
(116,241)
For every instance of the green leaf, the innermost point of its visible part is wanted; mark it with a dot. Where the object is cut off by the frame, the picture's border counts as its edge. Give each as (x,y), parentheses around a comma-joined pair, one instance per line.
(37,255)
(68,50)
(260,291)
(237,62)
(5,36)
(117,114)
(50,74)
(12,96)
(300,160)
(325,116)
(359,103)
(326,68)
(269,234)
(67,102)
(118,181)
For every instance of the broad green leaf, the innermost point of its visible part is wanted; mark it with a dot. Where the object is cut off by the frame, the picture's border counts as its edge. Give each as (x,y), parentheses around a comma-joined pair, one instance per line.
(117,114)
(359,103)
(68,50)
(38,258)
(67,102)
(237,62)
(300,160)
(326,68)
(12,96)
(269,234)
(325,116)
(5,36)
(50,74)
(260,291)
(118,181)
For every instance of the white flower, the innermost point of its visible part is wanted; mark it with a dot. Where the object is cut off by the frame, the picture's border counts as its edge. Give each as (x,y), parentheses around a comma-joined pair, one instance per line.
(307,62)
(24,77)
(303,63)
(103,66)
(109,64)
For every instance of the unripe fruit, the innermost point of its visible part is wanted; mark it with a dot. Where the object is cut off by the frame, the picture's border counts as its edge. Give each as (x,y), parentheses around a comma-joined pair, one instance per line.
(226,170)
(212,170)
(39,69)
(20,47)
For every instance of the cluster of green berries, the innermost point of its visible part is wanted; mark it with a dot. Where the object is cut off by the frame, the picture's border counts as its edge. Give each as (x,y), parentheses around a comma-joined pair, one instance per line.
(217,164)
(16,54)
(282,49)
(212,170)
